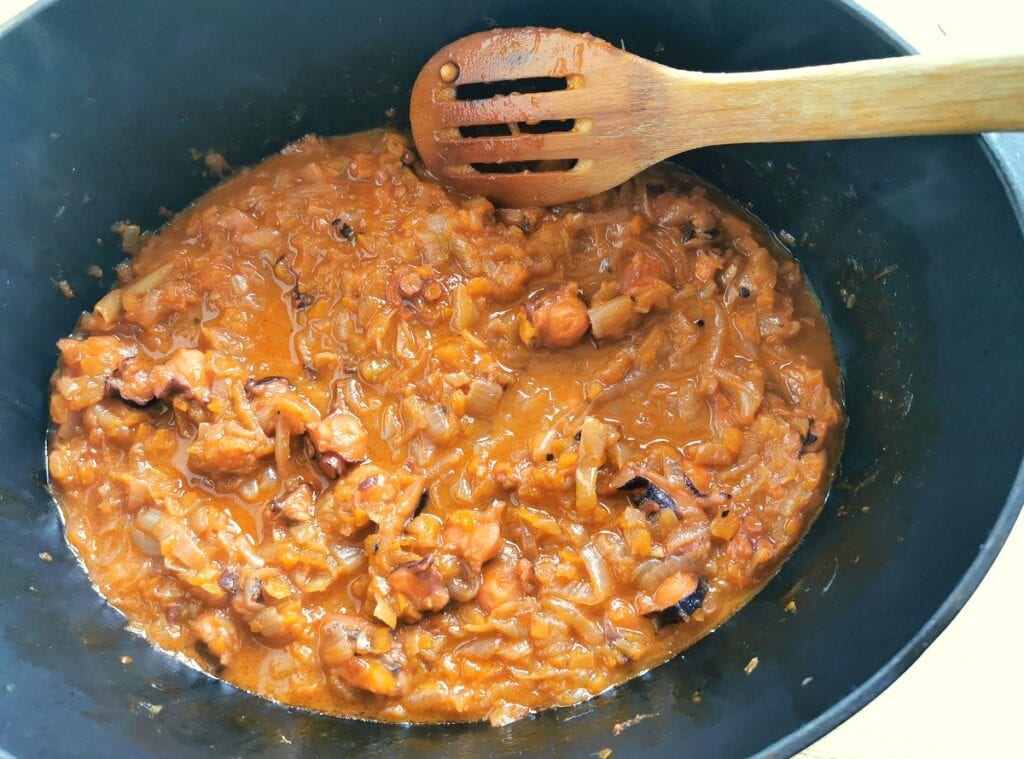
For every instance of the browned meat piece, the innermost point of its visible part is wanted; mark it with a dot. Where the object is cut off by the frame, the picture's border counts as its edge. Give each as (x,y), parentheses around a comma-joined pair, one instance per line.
(645,280)
(813,401)
(405,283)
(504,580)
(218,634)
(87,368)
(267,387)
(526,219)
(359,653)
(474,535)
(421,583)
(677,598)
(659,491)
(246,588)
(183,372)
(228,446)
(395,515)
(670,591)
(365,494)
(640,273)
(556,319)
(296,505)
(253,589)
(361,495)
(94,356)
(340,435)
(131,381)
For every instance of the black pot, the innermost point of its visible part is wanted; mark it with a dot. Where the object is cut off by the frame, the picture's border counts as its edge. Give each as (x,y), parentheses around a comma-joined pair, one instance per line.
(914,246)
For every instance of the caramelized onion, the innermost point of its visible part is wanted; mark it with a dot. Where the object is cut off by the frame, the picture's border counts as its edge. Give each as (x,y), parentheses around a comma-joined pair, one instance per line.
(483,397)
(613,318)
(600,586)
(586,628)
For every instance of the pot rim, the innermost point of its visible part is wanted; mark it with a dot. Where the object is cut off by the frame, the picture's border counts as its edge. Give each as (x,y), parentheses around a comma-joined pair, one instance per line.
(886,675)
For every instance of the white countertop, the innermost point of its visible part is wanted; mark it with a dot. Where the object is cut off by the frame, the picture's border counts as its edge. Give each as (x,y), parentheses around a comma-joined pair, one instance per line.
(962,697)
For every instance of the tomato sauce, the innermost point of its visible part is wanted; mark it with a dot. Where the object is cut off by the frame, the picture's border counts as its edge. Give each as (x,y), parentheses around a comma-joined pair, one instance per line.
(357,443)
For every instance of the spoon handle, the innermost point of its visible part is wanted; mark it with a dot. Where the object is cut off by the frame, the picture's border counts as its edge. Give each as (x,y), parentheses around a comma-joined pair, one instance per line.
(911,95)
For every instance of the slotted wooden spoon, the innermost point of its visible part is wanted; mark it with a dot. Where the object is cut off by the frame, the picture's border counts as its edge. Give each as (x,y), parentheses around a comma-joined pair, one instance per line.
(618,113)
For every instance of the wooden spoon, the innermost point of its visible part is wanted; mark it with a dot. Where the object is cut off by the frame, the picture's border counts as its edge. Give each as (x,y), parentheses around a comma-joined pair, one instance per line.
(616,113)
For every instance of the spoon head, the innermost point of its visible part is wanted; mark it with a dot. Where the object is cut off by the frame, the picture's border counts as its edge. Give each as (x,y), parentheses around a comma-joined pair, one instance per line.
(526,116)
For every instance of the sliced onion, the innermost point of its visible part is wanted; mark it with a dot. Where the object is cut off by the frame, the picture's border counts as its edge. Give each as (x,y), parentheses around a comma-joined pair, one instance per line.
(586,628)
(385,613)
(691,544)
(109,306)
(615,551)
(422,450)
(185,550)
(747,392)
(146,543)
(350,559)
(600,580)
(483,397)
(436,422)
(516,651)
(250,489)
(542,444)
(480,648)
(464,313)
(593,439)
(462,491)
(651,573)
(612,318)
(510,628)
(151,280)
(138,493)
(245,547)
(268,623)
(148,520)
(390,424)
(436,223)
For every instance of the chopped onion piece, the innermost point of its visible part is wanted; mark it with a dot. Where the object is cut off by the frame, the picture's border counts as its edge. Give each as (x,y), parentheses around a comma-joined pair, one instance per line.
(483,397)
(184,549)
(613,318)
(148,282)
(650,574)
(109,306)
(600,579)
(146,543)
(586,628)
(594,437)
(437,424)
(148,520)
(350,559)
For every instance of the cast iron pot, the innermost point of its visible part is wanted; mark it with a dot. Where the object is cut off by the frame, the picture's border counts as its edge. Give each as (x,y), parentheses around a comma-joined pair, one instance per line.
(914,247)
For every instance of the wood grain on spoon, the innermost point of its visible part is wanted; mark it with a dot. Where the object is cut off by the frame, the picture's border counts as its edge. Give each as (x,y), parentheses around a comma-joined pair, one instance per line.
(618,113)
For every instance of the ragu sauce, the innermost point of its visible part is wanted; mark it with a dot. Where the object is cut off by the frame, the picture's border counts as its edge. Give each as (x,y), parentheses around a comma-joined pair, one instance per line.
(359,444)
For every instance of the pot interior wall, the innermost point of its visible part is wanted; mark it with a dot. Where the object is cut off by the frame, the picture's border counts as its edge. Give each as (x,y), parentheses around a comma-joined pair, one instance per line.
(912,245)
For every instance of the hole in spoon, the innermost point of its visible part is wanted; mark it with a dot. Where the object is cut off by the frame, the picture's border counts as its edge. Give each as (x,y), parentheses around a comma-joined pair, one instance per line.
(545,127)
(487,90)
(486,130)
(507,130)
(521,167)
